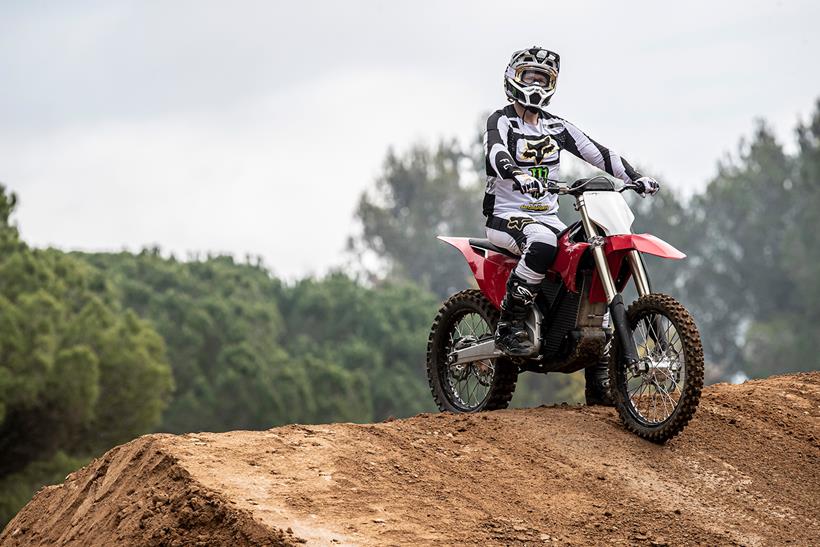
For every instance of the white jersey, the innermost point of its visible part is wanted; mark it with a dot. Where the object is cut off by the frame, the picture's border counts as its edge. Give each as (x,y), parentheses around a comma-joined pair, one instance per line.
(514,147)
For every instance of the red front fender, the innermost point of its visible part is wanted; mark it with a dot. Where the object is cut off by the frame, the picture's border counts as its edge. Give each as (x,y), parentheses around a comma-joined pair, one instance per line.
(616,249)
(645,243)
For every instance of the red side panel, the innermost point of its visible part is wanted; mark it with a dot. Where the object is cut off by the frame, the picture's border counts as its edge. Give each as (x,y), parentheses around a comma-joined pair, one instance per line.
(567,259)
(490,271)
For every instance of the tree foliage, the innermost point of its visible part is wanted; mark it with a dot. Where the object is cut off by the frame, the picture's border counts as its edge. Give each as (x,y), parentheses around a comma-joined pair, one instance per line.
(751,276)
(78,373)
(421,194)
(250,352)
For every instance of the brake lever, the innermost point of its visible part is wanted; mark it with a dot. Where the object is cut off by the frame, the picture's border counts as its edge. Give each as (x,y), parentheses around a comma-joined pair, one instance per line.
(559,188)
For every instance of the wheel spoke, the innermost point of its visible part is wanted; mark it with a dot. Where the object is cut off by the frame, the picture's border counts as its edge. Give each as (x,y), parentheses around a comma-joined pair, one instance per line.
(458,331)
(664,393)
(660,353)
(469,384)
(660,391)
(671,379)
(472,392)
(652,332)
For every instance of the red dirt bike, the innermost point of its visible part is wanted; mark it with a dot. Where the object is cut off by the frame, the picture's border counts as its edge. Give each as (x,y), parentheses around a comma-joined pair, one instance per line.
(654,348)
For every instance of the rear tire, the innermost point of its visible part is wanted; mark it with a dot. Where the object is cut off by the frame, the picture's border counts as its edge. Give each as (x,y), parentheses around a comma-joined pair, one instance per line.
(469,307)
(658,398)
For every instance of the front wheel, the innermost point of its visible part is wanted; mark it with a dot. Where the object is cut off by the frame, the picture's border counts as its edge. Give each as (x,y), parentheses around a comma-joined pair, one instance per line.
(467,318)
(658,396)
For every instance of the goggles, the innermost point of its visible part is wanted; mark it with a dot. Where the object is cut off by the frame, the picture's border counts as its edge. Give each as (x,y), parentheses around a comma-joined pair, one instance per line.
(538,76)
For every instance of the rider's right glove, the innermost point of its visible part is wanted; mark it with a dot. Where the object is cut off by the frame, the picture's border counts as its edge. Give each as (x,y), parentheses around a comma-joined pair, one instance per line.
(530,185)
(647,186)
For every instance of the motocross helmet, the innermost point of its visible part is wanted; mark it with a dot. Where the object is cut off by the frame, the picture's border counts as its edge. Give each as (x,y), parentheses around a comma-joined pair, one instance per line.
(531,76)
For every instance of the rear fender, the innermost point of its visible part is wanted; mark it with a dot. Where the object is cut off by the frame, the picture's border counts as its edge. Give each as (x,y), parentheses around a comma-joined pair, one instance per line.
(490,269)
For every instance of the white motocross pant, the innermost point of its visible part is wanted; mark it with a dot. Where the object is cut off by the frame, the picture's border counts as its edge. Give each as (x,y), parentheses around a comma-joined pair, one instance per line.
(534,238)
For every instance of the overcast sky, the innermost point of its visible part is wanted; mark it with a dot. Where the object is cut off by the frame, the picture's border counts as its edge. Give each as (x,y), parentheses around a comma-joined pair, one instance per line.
(253,127)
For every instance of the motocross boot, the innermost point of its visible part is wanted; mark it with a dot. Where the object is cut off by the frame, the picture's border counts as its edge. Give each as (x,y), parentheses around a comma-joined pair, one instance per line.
(512,336)
(597,390)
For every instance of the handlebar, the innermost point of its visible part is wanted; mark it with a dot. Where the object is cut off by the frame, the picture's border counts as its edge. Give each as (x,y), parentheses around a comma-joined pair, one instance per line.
(561,187)
(551,189)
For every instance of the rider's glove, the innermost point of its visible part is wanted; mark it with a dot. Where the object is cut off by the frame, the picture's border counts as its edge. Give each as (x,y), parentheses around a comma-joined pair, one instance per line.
(647,186)
(530,185)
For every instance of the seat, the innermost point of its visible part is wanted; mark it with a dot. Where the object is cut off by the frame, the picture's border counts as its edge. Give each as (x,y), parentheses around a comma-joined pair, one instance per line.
(487,246)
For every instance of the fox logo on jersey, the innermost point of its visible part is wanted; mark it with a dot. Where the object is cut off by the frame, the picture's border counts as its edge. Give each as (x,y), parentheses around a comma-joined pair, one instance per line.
(537,150)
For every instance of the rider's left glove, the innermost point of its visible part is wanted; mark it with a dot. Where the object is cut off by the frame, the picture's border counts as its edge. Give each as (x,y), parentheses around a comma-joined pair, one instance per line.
(647,186)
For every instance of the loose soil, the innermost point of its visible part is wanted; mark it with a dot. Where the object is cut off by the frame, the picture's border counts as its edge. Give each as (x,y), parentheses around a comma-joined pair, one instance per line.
(745,472)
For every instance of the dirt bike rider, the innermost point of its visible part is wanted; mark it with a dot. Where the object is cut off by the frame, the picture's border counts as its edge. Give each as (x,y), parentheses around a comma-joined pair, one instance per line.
(522,146)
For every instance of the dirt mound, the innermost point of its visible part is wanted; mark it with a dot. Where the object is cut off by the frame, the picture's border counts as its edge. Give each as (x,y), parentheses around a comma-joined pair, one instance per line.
(745,472)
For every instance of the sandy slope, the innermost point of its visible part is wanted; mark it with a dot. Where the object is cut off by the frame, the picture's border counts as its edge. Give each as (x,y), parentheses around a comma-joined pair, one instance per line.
(746,471)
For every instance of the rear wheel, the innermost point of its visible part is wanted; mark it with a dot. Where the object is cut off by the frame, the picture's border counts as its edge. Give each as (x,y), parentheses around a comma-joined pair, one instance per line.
(657,397)
(467,318)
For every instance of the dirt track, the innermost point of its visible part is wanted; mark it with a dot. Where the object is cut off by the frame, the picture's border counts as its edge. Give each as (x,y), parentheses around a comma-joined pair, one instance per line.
(746,471)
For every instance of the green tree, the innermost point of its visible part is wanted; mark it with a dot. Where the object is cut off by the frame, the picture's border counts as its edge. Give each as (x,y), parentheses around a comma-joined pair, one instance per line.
(77,373)
(785,326)
(250,352)
(751,277)
(421,194)
(379,333)
(221,325)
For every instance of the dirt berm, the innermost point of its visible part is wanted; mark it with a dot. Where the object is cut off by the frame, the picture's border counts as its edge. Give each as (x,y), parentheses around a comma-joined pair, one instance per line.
(745,472)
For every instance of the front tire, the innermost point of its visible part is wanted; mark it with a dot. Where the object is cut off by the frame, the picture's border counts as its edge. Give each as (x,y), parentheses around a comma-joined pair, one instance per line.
(465,318)
(657,397)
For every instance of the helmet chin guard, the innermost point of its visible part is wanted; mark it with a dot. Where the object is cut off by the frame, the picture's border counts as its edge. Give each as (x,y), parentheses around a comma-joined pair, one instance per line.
(531,76)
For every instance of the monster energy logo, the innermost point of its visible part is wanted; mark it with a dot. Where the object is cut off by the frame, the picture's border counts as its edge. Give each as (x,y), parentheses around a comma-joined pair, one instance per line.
(540,172)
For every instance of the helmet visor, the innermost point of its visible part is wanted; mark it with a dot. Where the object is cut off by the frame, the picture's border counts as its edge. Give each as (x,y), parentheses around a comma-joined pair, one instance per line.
(537,76)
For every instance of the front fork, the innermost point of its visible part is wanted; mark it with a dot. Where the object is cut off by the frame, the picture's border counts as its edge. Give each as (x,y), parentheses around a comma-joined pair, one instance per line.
(614,300)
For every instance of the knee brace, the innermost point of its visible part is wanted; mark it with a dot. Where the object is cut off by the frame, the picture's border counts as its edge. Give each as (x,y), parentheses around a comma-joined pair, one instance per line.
(539,256)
